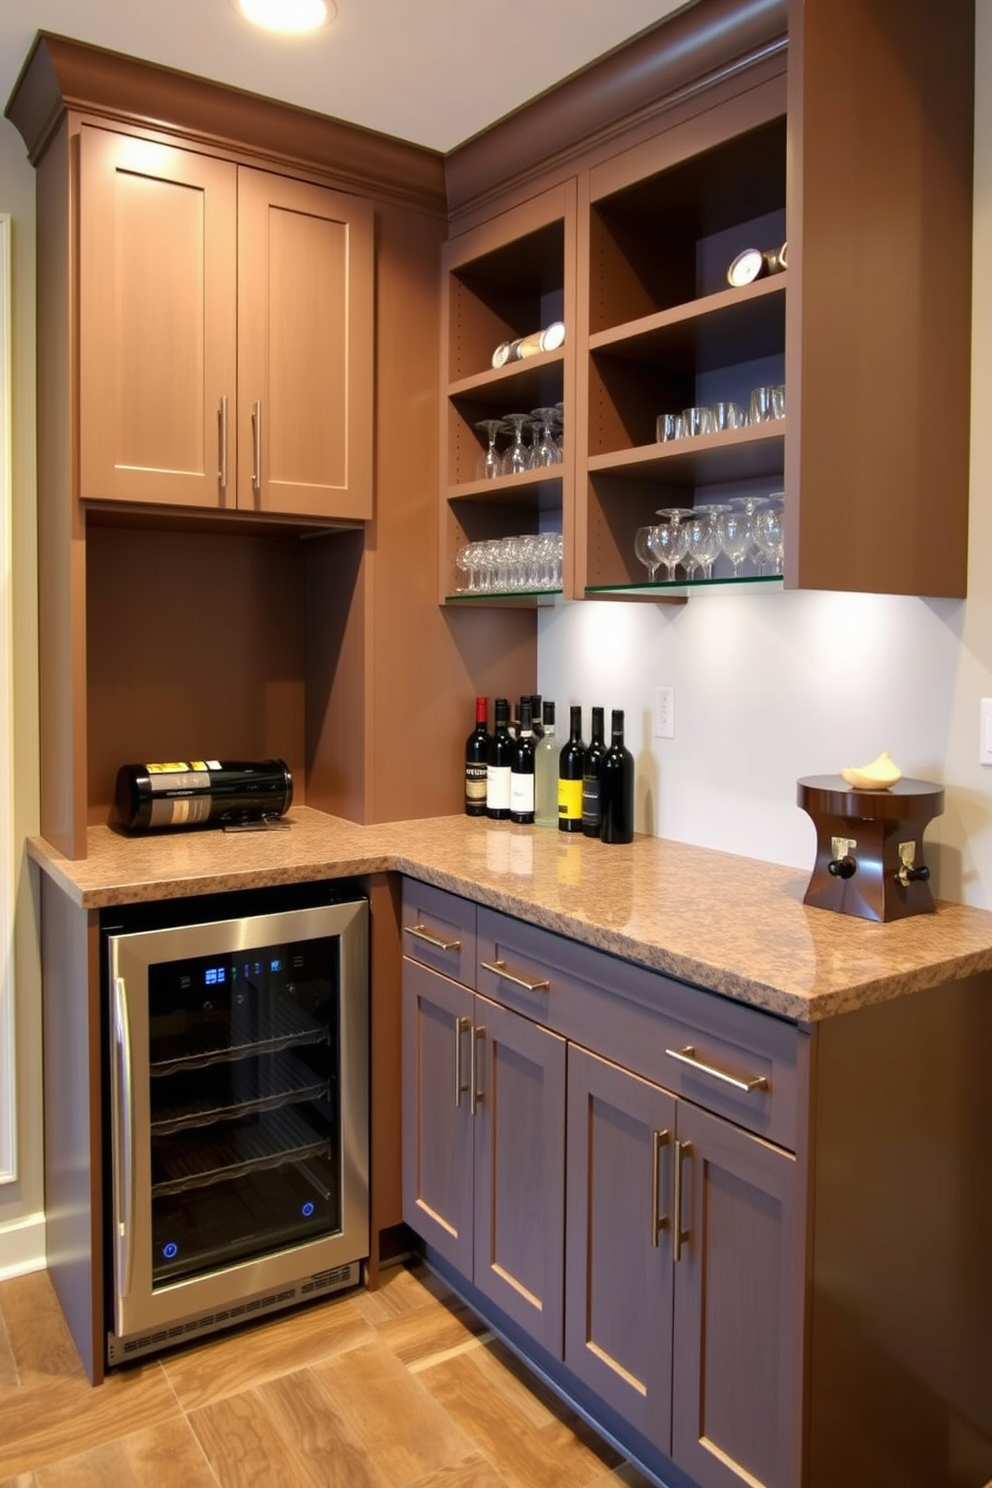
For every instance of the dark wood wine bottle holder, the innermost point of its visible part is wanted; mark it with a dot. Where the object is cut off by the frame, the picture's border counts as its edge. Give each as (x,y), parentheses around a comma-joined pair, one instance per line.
(869,846)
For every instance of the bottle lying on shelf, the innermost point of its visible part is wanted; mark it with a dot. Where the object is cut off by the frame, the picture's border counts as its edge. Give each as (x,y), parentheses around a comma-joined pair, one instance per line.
(521,347)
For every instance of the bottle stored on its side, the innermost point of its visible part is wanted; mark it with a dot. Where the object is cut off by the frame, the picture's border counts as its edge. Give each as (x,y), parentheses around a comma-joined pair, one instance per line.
(522,769)
(591,818)
(546,772)
(477,761)
(570,766)
(498,764)
(616,787)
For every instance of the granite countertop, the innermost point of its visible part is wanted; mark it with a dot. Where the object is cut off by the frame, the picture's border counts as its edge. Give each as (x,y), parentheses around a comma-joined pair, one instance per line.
(732,924)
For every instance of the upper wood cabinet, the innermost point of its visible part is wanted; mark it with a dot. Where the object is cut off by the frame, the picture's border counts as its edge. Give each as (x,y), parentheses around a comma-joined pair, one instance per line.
(226,333)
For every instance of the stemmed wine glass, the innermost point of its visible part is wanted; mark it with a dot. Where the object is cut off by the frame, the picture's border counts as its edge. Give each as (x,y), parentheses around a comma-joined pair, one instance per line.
(769,534)
(704,541)
(544,449)
(736,537)
(490,464)
(517,457)
(671,540)
(644,549)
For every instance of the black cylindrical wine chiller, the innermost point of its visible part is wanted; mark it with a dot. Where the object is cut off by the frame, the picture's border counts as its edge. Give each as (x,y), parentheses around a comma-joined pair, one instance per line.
(192,793)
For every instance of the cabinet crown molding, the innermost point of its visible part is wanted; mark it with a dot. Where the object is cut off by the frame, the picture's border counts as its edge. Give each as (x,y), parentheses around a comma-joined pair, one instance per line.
(61,75)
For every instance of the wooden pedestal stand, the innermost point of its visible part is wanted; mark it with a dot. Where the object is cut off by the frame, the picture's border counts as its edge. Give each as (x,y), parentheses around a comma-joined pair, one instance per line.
(869,846)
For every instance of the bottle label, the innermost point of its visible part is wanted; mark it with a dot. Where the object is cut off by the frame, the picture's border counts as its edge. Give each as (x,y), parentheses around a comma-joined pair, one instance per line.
(475,784)
(521,795)
(570,800)
(590,802)
(498,787)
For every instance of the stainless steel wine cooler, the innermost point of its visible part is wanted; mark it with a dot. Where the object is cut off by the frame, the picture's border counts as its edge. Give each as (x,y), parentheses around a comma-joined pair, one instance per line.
(239,1116)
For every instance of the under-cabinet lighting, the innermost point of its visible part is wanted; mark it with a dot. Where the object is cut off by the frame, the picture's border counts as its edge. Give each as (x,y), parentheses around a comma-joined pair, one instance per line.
(294,16)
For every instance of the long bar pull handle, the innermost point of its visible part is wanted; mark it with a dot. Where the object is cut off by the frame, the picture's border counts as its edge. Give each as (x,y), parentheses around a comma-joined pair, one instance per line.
(475,1095)
(256,431)
(659,1222)
(123,1159)
(682,1151)
(498,968)
(688,1056)
(432,940)
(222,421)
(461,1024)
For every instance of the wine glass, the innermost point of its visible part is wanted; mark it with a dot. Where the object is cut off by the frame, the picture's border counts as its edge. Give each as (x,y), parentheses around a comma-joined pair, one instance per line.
(544,449)
(671,540)
(490,464)
(517,457)
(736,537)
(704,540)
(644,549)
(769,534)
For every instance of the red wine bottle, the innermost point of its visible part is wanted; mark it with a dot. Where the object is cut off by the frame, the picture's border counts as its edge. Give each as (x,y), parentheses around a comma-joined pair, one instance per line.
(498,764)
(616,787)
(477,761)
(591,817)
(522,769)
(570,766)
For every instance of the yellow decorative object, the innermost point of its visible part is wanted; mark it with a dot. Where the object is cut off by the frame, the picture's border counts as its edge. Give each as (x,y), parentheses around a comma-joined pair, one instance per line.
(879,775)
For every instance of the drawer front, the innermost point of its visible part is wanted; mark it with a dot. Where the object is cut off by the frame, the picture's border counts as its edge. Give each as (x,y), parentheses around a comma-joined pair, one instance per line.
(734,1060)
(439,931)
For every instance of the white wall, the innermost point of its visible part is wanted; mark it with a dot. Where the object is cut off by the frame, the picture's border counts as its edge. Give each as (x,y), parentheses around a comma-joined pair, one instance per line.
(772,687)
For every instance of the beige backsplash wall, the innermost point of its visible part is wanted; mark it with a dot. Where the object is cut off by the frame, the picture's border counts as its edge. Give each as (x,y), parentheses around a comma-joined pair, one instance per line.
(772,687)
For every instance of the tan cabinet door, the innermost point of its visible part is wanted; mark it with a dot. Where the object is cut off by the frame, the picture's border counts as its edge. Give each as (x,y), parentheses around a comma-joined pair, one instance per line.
(305,348)
(157,322)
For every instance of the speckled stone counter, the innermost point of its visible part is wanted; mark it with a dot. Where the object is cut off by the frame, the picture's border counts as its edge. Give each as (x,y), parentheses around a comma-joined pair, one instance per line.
(731,924)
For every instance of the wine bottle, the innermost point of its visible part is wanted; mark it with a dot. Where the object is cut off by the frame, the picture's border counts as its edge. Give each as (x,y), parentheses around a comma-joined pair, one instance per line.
(570,764)
(477,760)
(536,715)
(546,772)
(616,787)
(190,793)
(591,819)
(522,769)
(498,764)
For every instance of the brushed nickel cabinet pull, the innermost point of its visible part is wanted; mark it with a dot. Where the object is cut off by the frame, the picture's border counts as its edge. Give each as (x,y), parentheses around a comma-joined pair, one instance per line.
(688,1056)
(659,1222)
(256,431)
(461,1024)
(432,940)
(475,1095)
(682,1151)
(498,968)
(222,420)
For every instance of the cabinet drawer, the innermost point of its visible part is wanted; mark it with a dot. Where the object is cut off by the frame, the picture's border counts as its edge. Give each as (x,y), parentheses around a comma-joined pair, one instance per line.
(732,1059)
(439,930)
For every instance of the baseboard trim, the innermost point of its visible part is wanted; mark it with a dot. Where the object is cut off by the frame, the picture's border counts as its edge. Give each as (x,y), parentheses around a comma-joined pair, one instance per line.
(22,1246)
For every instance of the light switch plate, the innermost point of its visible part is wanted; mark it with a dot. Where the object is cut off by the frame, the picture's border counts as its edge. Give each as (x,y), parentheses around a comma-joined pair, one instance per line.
(664,712)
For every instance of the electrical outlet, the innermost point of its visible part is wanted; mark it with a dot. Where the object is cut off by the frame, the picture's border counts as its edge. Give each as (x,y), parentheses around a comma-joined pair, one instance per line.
(664,712)
(985,732)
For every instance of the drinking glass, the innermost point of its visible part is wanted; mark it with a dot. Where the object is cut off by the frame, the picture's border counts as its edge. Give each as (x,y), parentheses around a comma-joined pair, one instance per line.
(490,465)
(644,550)
(517,457)
(729,416)
(544,449)
(671,540)
(704,541)
(669,426)
(767,403)
(697,421)
(736,537)
(769,534)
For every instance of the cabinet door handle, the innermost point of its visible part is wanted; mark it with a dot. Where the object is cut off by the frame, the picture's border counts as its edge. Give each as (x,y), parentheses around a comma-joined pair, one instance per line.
(222,420)
(659,1222)
(688,1056)
(432,940)
(256,440)
(498,968)
(475,1095)
(461,1024)
(682,1151)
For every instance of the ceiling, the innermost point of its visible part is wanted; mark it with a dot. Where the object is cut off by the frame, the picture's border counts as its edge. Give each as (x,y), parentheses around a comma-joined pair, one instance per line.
(431,71)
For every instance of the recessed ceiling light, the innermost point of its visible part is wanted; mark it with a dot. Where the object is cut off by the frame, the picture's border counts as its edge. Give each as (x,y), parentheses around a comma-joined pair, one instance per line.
(287,15)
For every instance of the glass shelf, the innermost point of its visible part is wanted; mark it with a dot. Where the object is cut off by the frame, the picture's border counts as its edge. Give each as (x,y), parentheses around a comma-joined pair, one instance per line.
(682,588)
(492,596)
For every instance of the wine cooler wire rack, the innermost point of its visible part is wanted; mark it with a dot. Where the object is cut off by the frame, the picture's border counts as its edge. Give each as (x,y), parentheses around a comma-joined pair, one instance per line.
(183,1040)
(277,1137)
(192,1099)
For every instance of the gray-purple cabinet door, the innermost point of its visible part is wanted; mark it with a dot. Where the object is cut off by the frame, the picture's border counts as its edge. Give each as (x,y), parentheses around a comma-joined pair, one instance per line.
(736,1375)
(437,1120)
(619,1282)
(520,1170)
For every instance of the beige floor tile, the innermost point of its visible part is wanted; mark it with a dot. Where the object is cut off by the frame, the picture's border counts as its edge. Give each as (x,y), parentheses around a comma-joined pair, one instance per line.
(402,1290)
(248,1357)
(9,1376)
(298,1408)
(23,1480)
(37,1332)
(50,1419)
(473,1472)
(245,1448)
(166,1456)
(389,1415)
(438,1329)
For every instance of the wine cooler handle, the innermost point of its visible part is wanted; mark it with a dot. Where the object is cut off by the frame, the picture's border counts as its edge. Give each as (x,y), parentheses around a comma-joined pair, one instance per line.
(256,431)
(461,1024)
(222,419)
(123,1160)
(659,1222)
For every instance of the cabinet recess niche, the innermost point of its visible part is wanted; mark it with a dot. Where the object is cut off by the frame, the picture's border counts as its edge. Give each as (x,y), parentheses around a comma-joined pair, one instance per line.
(512,277)
(665,332)
(225,334)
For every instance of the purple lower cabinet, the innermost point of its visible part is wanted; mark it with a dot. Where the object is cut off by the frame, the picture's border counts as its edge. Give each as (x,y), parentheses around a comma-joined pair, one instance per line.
(736,1377)
(619,1280)
(520,1170)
